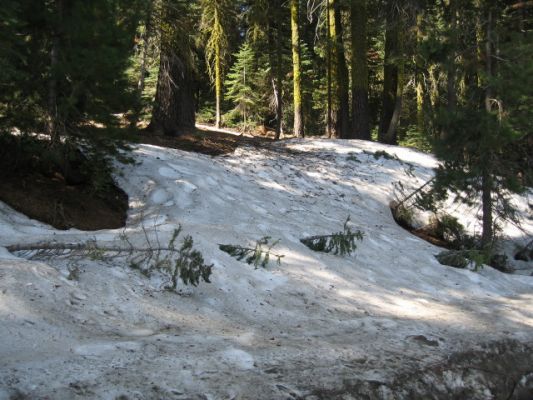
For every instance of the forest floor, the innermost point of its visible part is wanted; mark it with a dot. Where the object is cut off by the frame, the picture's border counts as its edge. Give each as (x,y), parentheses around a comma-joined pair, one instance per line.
(205,140)
(387,322)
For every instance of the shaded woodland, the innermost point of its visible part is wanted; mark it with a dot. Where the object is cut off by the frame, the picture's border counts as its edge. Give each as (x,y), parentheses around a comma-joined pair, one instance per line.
(451,76)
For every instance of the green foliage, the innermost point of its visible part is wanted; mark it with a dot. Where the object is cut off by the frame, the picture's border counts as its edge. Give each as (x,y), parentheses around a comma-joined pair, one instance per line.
(259,256)
(241,85)
(216,25)
(189,265)
(474,259)
(340,243)
(464,258)
(416,139)
(403,215)
(452,231)
(183,263)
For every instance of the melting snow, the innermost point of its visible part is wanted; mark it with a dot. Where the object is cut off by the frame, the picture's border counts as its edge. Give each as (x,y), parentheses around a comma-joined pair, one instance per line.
(316,321)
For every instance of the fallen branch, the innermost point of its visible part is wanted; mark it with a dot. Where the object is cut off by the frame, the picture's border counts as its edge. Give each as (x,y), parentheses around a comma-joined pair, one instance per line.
(46,246)
(185,262)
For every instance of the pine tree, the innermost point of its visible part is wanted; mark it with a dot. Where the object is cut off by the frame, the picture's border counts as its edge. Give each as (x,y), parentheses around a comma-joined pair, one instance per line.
(217,18)
(297,68)
(393,75)
(56,78)
(481,135)
(241,84)
(360,124)
(174,105)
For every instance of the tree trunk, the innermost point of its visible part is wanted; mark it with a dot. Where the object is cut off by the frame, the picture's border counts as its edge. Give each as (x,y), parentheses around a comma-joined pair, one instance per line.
(296,63)
(145,36)
(419,76)
(343,120)
(360,110)
(174,100)
(275,56)
(391,105)
(218,78)
(487,184)
(486,198)
(329,116)
(279,84)
(54,123)
(333,116)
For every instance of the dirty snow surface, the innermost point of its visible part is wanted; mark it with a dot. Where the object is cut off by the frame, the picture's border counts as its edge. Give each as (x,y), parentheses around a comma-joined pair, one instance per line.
(313,327)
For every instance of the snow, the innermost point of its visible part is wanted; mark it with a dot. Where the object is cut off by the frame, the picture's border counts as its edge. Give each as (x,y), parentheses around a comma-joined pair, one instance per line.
(314,322)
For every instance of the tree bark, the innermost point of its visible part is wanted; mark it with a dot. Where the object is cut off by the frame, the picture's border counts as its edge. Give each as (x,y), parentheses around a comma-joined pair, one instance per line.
(329,66)
(296,63)
(343,120)
(218,77)
(360,110)
(419,76)
(334,98)
(276,60)
(54,123)
(392,77)
(487,180)
(173,110)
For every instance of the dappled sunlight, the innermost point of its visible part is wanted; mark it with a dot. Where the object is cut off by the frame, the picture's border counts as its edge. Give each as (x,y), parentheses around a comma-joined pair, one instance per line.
(390,299)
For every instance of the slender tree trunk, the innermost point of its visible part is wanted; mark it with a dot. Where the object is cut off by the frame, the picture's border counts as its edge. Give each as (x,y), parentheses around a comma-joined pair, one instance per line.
(391,104)
(487,180)
(279,84)
(54,123)
(329,117)
(419,76)
(218,78)
(145,37)
(486,198)
(333,117)
(343,121)
(360,110)
(296,63)
(275,57)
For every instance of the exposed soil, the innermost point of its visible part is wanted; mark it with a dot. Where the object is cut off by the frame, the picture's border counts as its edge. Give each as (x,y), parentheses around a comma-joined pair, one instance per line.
(426,233)
(51,200)
(202,141)
(39,189)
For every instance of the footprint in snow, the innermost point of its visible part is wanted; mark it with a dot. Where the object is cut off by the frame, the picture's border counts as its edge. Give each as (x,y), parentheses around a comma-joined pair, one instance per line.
(160,196)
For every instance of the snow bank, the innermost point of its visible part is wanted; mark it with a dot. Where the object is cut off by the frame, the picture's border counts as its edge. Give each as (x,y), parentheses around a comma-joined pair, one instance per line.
(296,330)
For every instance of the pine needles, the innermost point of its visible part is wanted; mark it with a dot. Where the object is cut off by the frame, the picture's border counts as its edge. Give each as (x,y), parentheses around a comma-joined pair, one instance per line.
(259,256)
(189,265)
(184,262)
(340,243)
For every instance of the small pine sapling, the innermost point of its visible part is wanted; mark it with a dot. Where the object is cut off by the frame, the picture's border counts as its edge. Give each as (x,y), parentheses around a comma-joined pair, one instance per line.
(340,243)
(259,256)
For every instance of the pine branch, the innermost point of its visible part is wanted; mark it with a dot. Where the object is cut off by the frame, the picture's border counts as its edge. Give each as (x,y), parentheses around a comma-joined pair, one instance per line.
(258,256)
(184,263)
(340,243)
